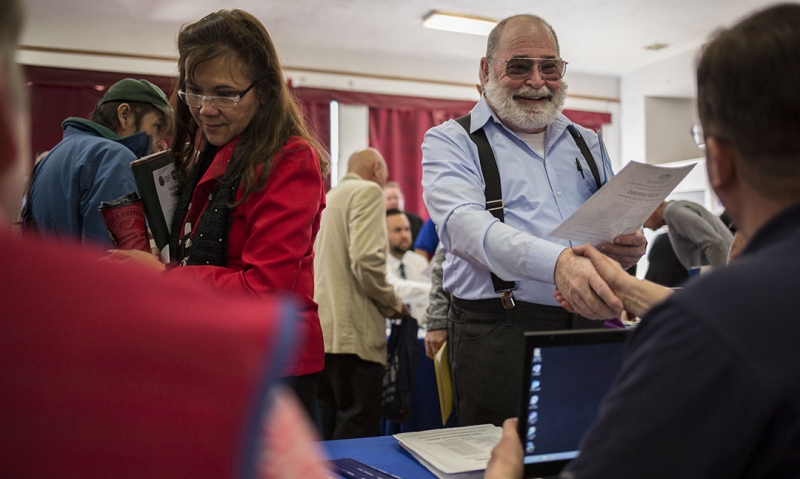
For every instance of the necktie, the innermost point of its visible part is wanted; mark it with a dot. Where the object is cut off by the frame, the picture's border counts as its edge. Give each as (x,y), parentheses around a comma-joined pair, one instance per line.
(402,270)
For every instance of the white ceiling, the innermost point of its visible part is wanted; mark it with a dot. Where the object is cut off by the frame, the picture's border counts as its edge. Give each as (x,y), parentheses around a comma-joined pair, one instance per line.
(385,37)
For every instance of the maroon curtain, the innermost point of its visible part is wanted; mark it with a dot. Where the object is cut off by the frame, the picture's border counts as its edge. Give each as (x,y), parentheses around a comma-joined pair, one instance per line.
(317,113)
(398,134)
(396,127)
(57,94)
(588,119)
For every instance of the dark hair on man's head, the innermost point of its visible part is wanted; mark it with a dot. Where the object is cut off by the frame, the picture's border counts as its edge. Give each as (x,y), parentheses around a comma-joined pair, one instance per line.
(394,211)
(493,42)
(106,114)
(240,37)
(748,94)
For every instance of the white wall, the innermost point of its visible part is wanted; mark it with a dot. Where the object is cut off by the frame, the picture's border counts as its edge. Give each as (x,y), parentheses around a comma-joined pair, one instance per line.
(671,78)
(668,123)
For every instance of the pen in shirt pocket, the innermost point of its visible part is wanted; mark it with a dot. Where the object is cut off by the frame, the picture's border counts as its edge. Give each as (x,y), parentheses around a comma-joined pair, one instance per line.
(580,168)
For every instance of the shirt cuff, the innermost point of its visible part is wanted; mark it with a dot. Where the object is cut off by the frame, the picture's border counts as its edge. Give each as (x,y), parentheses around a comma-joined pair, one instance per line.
(542,259)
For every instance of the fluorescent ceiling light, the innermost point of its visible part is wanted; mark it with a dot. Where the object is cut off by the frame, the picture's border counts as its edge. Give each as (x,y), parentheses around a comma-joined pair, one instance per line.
(450,22)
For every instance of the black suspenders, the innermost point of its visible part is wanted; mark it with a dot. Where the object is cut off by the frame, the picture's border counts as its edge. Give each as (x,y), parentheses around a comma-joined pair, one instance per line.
(494,194)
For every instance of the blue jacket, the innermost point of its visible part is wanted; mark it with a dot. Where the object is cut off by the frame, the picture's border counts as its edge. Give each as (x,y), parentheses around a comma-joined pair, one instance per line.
(90,165)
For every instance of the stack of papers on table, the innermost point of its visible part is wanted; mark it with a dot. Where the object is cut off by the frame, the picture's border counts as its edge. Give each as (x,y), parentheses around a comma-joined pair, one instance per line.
(453,453)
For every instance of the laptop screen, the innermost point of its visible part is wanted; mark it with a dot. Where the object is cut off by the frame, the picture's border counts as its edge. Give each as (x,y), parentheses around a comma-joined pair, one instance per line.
(567,375)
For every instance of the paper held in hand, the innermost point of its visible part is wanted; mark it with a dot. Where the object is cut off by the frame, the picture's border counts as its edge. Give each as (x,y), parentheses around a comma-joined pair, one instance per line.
(622,205)
(453,453)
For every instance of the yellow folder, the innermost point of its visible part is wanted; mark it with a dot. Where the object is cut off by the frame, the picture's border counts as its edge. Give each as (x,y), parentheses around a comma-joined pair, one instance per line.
(441,365)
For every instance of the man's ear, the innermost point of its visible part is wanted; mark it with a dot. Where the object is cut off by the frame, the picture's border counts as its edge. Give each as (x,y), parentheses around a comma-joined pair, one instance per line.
(484,71)
(376,169)
(9,153)
(720,164)
(127,120)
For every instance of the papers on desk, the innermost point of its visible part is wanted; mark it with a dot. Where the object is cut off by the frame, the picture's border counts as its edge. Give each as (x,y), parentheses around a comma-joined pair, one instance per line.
(622,204)
(441,366)
(453,453)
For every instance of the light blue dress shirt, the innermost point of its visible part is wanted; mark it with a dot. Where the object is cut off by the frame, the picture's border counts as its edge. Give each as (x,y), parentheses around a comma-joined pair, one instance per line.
(539,194)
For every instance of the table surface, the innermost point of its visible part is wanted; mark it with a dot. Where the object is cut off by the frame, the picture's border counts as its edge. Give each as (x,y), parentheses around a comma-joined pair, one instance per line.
(382,452)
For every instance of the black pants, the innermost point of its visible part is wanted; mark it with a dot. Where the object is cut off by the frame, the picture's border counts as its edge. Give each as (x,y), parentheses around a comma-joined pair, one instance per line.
(350,397)
(487,351)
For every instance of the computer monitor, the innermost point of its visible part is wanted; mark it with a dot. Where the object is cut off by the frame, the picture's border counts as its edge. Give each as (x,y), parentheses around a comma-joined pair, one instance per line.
(567,374)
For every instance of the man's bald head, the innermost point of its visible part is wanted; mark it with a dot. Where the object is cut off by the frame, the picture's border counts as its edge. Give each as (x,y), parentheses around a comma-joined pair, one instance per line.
(495,36)
(369,165)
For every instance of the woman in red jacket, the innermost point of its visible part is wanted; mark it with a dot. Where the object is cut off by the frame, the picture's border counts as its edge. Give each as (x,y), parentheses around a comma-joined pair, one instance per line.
(251,199)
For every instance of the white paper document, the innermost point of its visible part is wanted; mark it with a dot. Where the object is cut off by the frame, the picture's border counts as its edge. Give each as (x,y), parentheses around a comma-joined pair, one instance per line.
(453,452)
(622,204)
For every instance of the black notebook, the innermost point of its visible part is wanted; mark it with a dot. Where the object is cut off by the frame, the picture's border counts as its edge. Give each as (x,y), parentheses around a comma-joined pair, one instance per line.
(157,183)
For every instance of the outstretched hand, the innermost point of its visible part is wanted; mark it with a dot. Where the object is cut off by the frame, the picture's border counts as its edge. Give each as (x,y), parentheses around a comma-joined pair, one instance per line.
(608,268)
(583,289)
(638,296)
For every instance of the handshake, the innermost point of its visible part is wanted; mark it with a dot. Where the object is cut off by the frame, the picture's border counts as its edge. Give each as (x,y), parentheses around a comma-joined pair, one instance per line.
(592,282)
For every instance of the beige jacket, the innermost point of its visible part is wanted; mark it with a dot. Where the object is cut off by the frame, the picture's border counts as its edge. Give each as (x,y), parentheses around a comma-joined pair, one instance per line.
(350,271)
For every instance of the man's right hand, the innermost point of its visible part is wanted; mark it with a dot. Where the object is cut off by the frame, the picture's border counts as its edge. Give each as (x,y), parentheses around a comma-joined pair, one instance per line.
(584,289)
(433,341)
(638,296)
(401,314)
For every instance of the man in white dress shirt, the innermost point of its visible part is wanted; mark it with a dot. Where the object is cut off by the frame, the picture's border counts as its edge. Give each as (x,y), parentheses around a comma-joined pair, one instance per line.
(406,270)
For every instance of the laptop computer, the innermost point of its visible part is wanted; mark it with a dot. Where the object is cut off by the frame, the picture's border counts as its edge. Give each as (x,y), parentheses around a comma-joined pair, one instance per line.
(567,374)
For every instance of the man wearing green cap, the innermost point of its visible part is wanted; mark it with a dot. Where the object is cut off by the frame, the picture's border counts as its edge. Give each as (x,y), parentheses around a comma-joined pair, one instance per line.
(92,163)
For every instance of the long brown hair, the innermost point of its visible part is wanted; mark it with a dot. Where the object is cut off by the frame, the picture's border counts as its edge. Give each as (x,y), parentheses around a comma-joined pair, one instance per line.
(238,35)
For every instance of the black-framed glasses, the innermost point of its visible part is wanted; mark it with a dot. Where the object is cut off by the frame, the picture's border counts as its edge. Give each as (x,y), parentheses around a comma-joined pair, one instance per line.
(218,102)
(521,68)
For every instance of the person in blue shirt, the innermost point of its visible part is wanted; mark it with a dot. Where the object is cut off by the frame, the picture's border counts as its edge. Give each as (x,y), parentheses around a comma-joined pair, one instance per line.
(710,383)
(427,239)
(544,179)
(91,164)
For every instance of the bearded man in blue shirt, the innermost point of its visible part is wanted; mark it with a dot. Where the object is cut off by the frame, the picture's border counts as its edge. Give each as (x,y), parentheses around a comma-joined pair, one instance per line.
(544,178)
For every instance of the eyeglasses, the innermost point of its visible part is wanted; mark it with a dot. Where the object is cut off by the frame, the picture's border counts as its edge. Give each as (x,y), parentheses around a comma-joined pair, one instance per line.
(218,102)
(699,137)
(551,69)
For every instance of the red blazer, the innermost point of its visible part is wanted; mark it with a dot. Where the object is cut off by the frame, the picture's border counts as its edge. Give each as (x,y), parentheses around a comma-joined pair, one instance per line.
(270,247)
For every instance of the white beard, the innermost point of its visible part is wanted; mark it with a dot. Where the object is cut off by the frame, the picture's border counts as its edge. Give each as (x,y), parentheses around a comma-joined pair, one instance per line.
(524,117)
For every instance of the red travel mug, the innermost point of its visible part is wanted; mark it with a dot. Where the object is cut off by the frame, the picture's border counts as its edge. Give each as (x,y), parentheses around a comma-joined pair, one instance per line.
(125,222)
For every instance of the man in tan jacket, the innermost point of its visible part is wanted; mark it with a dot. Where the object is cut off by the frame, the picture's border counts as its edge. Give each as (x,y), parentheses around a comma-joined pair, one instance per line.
(354,299)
